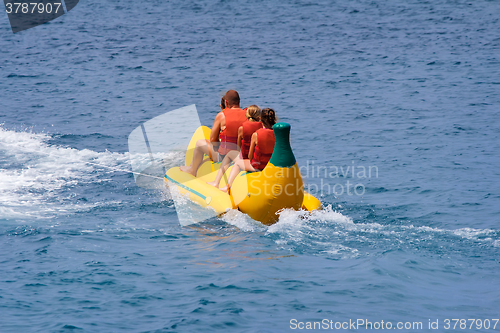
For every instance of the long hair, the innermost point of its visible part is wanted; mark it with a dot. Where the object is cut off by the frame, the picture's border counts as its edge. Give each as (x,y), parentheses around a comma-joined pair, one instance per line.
(268,118)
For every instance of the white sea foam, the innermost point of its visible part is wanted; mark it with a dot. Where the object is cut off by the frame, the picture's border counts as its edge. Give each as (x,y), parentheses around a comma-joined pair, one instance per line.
(35,174)
(242,221)
(331,232)
(319,230)
(338,249)
(471,233)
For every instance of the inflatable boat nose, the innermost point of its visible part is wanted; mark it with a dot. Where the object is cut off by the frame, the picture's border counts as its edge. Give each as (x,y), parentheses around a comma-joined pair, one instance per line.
(282,155)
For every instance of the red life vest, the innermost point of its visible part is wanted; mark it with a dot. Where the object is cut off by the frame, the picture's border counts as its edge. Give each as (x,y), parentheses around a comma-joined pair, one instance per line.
(229,136)
(249,128)
(263,149)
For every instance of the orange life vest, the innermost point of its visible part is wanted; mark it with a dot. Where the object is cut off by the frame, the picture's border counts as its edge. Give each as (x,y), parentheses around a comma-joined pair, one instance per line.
(229,136)
(249,128)
(263,149)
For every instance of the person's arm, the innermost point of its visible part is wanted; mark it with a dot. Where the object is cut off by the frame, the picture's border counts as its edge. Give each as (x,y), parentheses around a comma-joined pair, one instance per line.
(253,143)
(214,134)
(240,135)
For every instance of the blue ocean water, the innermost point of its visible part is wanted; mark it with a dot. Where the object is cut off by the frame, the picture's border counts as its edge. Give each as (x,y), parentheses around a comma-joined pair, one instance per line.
(408,90)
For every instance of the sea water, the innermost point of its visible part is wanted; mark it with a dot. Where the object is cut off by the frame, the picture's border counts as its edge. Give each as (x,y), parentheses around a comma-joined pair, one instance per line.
(394,108)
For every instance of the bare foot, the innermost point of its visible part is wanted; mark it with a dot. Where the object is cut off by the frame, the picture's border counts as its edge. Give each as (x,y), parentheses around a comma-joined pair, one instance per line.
(187,169)
(224,189)
(214,184)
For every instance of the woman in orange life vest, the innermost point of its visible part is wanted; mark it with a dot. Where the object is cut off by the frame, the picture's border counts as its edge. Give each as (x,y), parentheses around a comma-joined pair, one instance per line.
(261,148)
(225,128)
(245,133)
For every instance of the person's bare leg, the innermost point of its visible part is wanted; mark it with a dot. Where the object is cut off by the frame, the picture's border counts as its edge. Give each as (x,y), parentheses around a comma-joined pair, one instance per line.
(231,156)
(234,172)
(239,165)
(202,147)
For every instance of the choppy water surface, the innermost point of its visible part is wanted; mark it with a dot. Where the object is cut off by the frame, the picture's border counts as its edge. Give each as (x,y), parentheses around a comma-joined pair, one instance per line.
(410,89)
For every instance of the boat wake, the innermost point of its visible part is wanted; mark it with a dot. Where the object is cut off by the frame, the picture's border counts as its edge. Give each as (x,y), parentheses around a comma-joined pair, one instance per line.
(38,179)
(336,236)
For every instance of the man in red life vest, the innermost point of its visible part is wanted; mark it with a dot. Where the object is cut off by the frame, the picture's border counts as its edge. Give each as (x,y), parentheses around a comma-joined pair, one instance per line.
(224,134)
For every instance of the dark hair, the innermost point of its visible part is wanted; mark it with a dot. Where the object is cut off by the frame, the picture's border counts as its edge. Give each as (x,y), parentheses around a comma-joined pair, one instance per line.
(222,103)
(232,97)
(268,118)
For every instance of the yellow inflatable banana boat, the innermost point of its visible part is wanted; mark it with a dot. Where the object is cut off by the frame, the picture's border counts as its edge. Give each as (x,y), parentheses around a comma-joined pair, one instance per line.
(258,194)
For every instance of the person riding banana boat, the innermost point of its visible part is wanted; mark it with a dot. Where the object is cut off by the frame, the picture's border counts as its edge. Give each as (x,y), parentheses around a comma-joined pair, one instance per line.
(224,134)
(260,148)
(264,179)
